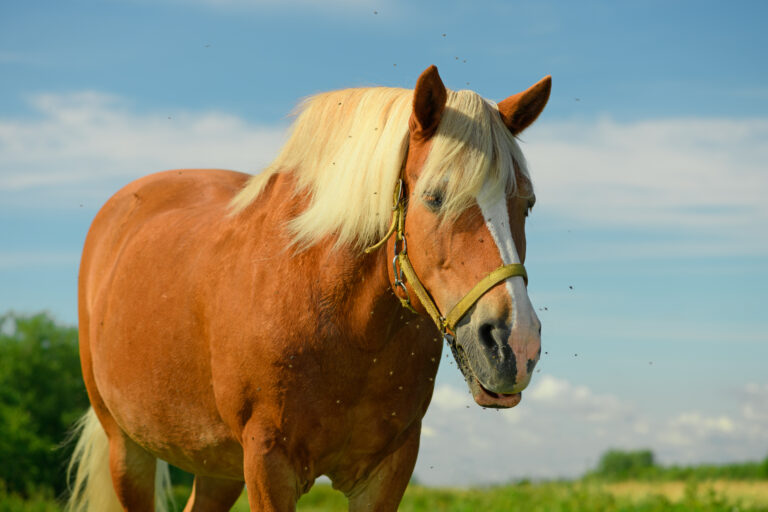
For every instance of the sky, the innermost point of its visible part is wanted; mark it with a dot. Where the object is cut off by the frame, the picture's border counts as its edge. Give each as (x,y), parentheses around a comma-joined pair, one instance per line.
(647,248)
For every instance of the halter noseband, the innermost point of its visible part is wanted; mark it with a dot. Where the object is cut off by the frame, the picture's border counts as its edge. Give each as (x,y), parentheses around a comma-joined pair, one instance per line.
(404,272)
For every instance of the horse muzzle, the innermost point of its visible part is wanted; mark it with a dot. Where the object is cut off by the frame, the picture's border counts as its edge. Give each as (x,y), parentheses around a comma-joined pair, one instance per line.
(497,361)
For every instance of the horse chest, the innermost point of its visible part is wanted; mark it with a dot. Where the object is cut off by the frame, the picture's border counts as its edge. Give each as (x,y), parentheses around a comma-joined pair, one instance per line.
(366,407)
(336,412)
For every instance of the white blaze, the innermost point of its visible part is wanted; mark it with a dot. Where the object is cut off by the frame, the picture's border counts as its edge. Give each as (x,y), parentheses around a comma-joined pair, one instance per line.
(496,215)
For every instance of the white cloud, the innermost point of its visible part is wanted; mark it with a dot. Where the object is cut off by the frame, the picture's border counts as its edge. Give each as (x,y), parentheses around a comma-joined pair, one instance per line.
(694,177)
(671,174)
(560,429)
(693,436)
(693,427)
(548,389)
(450,398)
(83,146)
(756,402)
(697,185)
(579,400)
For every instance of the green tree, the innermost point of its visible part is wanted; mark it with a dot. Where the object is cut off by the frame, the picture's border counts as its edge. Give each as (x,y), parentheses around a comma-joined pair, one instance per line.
(619,464)
(41,395)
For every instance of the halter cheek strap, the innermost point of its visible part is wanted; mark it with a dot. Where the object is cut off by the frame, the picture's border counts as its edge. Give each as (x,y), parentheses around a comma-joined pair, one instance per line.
(404,272)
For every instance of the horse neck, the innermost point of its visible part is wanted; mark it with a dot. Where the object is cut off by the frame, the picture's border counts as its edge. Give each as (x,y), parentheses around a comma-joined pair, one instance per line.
(356,291)
(350,289)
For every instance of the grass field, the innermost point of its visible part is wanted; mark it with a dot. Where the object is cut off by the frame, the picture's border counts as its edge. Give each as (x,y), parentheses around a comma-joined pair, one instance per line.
(579,496)
(713,496)
(748,493)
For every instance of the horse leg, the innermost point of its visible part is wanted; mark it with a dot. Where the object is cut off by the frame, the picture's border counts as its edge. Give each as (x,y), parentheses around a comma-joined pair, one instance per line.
(213,494)
(133,473)
(270,479)
(384,488)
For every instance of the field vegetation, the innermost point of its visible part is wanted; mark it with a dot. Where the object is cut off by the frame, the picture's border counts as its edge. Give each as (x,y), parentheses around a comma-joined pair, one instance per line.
(41,394)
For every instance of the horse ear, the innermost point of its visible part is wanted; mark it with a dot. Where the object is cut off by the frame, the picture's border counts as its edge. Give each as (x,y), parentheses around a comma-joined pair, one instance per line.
(521,109)
(429,97)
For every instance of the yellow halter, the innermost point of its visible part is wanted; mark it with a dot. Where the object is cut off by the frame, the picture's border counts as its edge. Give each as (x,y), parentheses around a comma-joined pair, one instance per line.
(404,272)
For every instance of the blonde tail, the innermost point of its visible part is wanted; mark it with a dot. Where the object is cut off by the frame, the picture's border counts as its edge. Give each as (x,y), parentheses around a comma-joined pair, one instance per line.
(92,488)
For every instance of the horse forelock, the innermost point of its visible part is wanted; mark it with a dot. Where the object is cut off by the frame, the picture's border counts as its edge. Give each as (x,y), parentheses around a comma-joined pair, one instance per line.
(473,154)
(347,149)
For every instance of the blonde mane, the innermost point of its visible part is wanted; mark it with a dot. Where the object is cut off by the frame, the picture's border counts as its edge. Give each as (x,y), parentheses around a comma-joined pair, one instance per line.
(347,149)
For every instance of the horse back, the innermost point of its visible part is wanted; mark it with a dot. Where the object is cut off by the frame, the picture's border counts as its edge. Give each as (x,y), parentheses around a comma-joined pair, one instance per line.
(153,208)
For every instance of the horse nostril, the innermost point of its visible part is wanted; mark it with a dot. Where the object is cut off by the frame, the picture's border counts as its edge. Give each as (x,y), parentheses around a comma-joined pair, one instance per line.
(486,336)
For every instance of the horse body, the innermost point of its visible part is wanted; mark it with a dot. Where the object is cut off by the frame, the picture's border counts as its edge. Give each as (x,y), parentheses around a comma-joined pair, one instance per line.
(144,343)
(209,339)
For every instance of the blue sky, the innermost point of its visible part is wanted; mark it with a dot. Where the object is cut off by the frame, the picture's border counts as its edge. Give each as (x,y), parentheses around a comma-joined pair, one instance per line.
(649,163)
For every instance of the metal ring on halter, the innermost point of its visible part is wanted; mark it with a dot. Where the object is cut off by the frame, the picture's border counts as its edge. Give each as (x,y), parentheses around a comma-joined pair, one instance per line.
(397,271)
(404,245)
(401,285)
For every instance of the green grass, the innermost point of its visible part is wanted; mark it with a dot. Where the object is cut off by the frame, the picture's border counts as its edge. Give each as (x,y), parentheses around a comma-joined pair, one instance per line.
(551,497)
(35,502)
(561,496)
(578,496)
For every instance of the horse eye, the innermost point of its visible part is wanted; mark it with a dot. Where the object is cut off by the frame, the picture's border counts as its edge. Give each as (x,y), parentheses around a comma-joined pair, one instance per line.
(434,200)
(529,208)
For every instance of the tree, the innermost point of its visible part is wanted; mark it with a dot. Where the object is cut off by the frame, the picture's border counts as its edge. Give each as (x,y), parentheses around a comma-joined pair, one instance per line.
(619,464)
(41,395)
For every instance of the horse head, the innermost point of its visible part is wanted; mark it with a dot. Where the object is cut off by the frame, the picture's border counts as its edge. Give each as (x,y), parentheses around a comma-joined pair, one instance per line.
(467,196)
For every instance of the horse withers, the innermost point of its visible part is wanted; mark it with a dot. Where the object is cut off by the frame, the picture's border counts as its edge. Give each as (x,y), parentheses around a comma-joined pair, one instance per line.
(273,328)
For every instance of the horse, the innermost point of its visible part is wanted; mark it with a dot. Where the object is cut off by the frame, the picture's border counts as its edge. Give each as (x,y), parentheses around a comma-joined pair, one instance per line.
(268,329)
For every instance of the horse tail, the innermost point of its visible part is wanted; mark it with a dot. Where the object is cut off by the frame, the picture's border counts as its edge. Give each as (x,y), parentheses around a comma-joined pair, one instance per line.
(91,488)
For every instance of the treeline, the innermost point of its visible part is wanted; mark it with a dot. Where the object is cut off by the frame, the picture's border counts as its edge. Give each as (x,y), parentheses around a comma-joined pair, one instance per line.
(616,465)
(41,395)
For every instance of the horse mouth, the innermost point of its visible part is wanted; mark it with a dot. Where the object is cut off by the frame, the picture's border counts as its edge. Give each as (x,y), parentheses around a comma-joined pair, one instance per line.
(483,397)
(486,398)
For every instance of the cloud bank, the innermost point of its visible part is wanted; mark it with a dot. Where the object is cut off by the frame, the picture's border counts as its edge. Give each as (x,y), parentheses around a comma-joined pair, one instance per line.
(560,429)
(84,146)
(699,177)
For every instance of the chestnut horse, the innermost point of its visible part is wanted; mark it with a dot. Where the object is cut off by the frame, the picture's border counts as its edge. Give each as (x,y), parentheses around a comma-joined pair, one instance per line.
(250,329)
